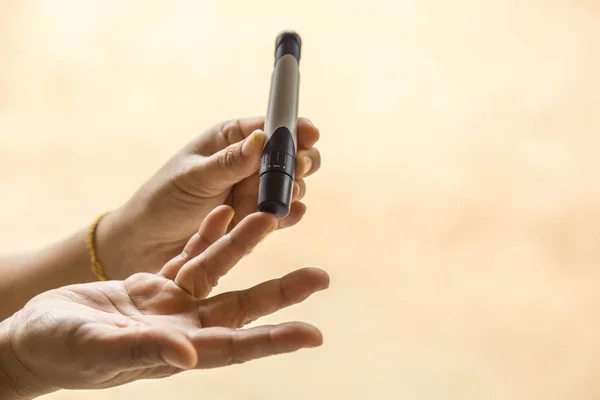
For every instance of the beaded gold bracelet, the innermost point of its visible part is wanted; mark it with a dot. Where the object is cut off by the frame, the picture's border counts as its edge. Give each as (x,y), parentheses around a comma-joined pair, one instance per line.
(97,267)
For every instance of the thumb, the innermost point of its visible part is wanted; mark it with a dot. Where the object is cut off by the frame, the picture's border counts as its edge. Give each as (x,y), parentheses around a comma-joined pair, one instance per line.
(151,347)
(235,162)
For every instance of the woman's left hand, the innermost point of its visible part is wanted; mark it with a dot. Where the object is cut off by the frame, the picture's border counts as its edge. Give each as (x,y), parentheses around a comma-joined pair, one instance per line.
(218,167)
(103,334)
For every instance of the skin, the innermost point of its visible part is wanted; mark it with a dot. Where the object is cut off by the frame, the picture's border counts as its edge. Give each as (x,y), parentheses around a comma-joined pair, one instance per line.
(104,334)
(208,172)
(219,167)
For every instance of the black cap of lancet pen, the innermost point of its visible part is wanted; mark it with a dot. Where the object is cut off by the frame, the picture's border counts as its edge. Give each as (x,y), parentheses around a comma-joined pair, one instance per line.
(288,42)
(278,160)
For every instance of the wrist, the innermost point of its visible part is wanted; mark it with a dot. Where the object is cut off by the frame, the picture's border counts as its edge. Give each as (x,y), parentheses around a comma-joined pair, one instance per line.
(107,244)
(62,263)
(16,381)
(127,242)
(113,246)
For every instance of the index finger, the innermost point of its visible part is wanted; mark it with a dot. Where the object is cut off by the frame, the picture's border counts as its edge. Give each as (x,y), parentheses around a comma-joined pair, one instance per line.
(200,274)
(232,131)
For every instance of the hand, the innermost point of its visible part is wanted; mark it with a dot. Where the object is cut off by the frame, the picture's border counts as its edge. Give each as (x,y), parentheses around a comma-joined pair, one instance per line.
(219,167)
(104,334)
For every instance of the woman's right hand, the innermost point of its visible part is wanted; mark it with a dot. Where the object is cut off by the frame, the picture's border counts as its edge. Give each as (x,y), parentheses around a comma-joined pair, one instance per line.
(104,334)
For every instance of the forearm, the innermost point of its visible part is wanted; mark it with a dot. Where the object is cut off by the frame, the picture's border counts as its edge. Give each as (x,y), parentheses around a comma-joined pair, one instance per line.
(16,381)
(27,275)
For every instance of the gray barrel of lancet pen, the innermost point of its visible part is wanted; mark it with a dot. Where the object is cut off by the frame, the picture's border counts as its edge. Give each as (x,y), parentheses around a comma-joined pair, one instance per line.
(278,160)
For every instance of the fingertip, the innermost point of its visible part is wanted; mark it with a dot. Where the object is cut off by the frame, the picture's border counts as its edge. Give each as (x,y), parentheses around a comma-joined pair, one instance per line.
(254,143)
(191,355)
(316,337)
(273,222)
(319,276)
(177,358)
(307,121)
(303,164)
(260,135)
(216,221)
(223,209)
(267,216)
(307,124)
(179,352)
(308,133)
(297,335)
(264,221)
(296,191)
(230,213)
(297,211)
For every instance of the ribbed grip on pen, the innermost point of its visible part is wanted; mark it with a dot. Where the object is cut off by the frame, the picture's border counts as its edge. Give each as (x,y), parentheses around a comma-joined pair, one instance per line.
(277,166)
(277,161)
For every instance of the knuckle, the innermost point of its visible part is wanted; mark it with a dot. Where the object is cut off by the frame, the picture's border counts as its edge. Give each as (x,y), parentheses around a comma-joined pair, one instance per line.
(238,360)
(242,312)
(228,157)
(232,131)
(233,243)
(232,351)
(281,292)
(203,283)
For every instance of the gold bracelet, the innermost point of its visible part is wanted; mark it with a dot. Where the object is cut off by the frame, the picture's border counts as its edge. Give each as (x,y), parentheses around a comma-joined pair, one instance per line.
(97,267)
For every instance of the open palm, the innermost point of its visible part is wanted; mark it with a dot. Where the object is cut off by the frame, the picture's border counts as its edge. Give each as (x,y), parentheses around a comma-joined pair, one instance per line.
(105,334)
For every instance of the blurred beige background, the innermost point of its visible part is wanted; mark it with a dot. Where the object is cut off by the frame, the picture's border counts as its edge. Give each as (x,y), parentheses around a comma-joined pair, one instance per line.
(458,207)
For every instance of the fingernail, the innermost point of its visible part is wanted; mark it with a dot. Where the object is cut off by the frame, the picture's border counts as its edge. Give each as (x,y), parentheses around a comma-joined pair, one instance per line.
(308,121)
(252,144)
(308,164)
(172,358)
(296,189)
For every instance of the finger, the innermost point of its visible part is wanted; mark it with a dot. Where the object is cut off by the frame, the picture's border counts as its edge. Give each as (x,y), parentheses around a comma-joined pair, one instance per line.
(296,191)
(212,228)
(231,165)
(233,131)
(307,133)
(299,190)
(236,309)
(147,347)
(225,134)
(245,198)
(199,275)
(219,347)
(307,162)
(297,211)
